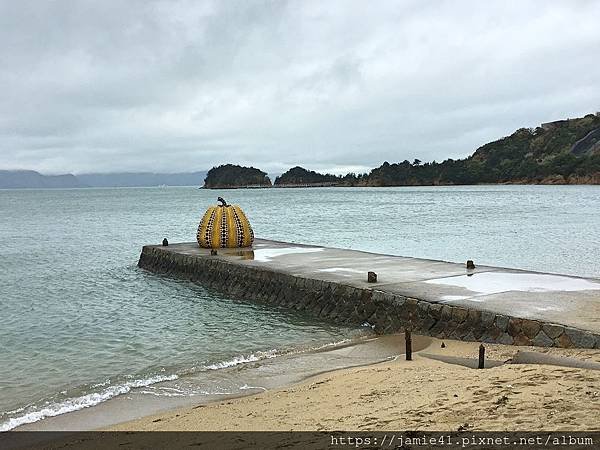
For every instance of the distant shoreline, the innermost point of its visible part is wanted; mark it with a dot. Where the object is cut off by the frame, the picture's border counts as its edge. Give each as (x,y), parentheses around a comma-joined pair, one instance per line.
(318,185)
(285,186)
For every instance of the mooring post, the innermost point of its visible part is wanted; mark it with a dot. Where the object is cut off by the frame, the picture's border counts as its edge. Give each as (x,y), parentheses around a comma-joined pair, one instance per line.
(165,242)
(481,357)
(408,339)
(470,264)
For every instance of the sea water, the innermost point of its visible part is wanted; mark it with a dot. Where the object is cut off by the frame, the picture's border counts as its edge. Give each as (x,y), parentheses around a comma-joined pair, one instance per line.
(80,324)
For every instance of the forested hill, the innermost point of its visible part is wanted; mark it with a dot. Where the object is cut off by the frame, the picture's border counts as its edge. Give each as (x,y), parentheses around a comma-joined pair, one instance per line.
(229,176)
(561,152)
(299,176)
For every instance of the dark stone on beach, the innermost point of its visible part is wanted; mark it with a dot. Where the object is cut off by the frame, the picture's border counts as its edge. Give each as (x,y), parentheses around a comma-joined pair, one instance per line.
(470,264)
(213,252)
(371,277)
(165,243)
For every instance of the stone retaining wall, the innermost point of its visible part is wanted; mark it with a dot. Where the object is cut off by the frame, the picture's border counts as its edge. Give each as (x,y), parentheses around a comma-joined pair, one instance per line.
(344,304)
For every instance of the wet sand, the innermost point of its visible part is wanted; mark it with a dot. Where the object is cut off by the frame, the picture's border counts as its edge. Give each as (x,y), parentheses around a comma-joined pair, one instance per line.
(439,394)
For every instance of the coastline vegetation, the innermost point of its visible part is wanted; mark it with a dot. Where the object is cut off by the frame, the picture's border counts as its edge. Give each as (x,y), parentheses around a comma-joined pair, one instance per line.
(561,152)
(233,176)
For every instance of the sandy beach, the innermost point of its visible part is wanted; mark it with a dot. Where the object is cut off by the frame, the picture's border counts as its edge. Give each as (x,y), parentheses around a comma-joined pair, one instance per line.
(423,394)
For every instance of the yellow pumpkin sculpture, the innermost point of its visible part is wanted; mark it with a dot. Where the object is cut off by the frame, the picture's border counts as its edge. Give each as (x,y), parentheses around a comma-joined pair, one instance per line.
(224,226)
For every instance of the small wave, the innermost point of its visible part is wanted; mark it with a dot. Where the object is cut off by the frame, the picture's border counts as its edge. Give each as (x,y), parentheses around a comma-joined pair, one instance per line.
(242,359)
(245,387)
(258,356)
(332,344)
(84,401)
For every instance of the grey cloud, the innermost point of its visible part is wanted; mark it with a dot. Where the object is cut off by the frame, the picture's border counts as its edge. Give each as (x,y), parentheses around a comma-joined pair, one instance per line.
(184,85)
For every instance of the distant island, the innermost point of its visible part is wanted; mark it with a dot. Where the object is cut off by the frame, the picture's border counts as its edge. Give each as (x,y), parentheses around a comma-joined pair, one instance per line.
(230,176)
(560,152)
(300,177)
(29,179)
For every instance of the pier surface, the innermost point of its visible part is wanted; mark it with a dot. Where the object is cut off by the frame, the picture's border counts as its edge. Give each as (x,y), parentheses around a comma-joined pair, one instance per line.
(433,297)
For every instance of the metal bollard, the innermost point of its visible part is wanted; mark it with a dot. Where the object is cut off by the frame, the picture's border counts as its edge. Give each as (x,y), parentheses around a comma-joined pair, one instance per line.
(408,338)
(481,357)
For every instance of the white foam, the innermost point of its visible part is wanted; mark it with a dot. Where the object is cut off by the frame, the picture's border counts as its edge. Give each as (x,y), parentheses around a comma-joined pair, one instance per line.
(246,387)
(331,344)
(85,401)
(243,359)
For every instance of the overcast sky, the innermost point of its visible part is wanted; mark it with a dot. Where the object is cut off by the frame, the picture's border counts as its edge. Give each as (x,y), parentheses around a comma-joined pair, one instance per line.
(98,86)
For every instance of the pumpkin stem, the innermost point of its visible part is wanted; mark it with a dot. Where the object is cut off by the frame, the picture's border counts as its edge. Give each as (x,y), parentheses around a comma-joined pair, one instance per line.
(222,200)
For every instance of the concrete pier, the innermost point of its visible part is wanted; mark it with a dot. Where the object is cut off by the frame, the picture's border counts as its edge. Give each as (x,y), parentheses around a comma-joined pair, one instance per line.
(436,298)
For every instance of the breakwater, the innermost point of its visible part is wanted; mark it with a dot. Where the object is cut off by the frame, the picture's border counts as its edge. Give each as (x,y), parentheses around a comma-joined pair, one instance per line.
(435,298)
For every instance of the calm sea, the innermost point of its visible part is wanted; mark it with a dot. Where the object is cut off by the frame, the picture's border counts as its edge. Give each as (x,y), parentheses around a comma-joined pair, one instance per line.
(81,324)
